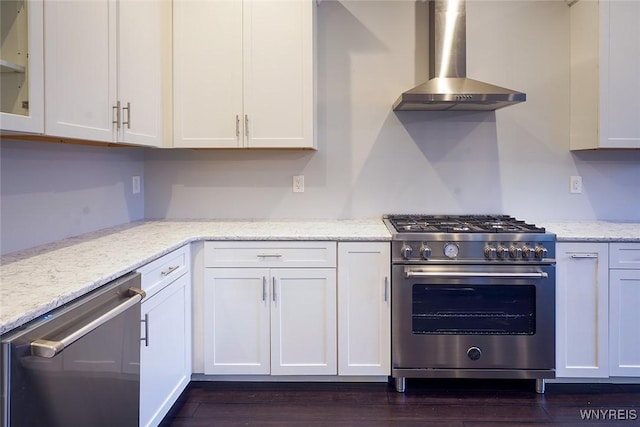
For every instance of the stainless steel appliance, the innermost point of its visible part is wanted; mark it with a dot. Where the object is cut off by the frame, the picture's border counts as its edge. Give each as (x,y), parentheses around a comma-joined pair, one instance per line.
(78,365)
(472,297)
(448,87)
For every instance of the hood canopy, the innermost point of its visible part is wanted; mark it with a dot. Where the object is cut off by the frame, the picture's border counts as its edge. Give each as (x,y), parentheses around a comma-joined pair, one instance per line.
(448,87)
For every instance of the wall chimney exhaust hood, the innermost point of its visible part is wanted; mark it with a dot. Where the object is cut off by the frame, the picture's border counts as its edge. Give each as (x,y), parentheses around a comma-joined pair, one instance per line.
(448,87)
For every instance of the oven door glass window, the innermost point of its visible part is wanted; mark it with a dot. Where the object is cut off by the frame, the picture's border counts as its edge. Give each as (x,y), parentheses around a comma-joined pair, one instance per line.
(482,309)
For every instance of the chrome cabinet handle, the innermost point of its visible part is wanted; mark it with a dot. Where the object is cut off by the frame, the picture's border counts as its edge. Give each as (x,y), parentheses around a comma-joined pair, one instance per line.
(264,288)
(583,256)
(269,255)
(169,270)
(386,288)
(273,287)
(116,120)
(246,125)
(237,126)
(128,122)
(48,349)
(146,330)
(451,274)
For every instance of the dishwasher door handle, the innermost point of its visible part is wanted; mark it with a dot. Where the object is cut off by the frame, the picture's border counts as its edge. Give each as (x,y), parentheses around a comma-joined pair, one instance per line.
(49,349)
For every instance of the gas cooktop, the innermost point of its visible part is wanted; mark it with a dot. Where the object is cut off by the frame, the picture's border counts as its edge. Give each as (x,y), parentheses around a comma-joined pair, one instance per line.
(459,224)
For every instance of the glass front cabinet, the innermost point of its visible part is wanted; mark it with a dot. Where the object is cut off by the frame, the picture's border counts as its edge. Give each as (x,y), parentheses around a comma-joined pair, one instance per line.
(21,63)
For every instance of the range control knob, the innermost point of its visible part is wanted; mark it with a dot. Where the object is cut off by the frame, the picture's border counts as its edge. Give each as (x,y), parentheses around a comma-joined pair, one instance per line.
(425,252)
(515,252)
(502,252)
(474,353)
(540,252)
(527,252)
(489,252)
(406,251)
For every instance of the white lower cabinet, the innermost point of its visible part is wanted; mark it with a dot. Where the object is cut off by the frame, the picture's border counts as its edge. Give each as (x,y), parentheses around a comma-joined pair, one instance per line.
(624,310)
(267,320)
(598,295)
(165,351)
(582,301)
(364,308)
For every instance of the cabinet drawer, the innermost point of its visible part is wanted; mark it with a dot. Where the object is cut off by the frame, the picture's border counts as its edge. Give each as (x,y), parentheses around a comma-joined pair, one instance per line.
(159,273)
(270,254)
(624,255)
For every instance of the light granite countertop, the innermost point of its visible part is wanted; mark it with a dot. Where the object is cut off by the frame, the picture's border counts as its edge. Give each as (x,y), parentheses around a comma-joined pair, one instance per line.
(36,281)
(593,231)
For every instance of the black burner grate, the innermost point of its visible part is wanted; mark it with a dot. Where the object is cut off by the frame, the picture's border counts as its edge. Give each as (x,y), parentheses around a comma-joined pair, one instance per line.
(461,224)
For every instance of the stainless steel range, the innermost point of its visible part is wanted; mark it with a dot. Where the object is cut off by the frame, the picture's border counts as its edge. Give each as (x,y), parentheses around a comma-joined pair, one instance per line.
(472,297)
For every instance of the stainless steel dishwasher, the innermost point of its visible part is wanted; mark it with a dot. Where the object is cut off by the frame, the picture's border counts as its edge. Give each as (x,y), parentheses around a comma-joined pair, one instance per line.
(78,365)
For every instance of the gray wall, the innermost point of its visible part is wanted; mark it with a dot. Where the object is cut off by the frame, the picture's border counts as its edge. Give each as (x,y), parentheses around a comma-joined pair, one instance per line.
(371,160)
(52,191)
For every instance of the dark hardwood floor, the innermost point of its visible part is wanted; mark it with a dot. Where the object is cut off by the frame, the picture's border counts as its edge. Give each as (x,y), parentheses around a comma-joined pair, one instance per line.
(446,403)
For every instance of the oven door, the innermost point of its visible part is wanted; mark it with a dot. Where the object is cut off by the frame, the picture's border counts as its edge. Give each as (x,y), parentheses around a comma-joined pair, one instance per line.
(470,317)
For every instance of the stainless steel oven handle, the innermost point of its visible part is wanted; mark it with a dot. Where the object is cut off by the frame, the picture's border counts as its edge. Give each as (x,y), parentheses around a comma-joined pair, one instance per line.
(49,349)
(467,274)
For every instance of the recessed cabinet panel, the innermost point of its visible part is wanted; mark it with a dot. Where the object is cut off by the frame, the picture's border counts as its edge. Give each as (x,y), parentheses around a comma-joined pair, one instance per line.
(278,73)
(624,323)
(582,298)
(303,322)
(80,71)
(236,320)
(270,254)
(364,308)
(208,74)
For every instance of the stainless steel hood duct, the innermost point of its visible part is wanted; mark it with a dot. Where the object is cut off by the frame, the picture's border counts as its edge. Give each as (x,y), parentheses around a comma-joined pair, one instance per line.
(448,87)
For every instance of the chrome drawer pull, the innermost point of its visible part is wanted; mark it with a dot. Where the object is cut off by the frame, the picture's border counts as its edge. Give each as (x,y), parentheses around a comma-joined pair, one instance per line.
(386,289)
(269,255)
(146,330)
(169,270)
(582,256)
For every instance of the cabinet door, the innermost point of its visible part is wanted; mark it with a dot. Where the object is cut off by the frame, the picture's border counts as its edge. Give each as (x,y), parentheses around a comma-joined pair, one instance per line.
(143,69)
(303,322)
(236,321)
(165,356)
(624,321)
(364,308)
(21,64)
(80,69)
(208,73)
(620,78)
(278,73)
(582,298)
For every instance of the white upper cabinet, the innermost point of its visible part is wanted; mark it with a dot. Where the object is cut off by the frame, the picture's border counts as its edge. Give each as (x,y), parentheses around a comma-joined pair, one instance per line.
(107,70)
(244,74)
(21,66)
(605,77)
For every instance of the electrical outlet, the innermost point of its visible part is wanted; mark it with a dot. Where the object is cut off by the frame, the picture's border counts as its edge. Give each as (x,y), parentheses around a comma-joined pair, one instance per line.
(135,184)
(298,184)
(575,185)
